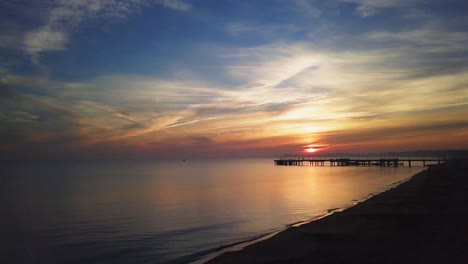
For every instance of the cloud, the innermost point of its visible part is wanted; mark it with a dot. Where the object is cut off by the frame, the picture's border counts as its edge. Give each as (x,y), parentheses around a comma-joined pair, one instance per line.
(367,8)
(20,116)
(307,8)
(405,136)
(45,39)
(67,14)
(175,4)
(271,65)
(236,29)
(431,40)
(107,109)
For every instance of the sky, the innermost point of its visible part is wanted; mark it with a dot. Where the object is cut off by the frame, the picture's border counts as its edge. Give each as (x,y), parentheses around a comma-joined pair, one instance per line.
(213,78)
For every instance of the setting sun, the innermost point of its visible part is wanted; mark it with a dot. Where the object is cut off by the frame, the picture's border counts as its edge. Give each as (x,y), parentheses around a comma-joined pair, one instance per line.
(310,150)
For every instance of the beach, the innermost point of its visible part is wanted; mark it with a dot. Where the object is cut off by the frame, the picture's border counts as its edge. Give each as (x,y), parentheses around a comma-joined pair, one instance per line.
(423,220)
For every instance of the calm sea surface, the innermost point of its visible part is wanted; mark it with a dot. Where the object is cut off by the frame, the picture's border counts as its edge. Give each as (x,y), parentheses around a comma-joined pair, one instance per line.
(164,211)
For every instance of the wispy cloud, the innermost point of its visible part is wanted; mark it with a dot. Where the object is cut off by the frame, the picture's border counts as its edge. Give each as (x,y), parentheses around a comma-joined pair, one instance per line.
(307,8)
(175,4)
(67,14)
(402,137)
(45,39)
(368,8)
(430,40)
(237,28)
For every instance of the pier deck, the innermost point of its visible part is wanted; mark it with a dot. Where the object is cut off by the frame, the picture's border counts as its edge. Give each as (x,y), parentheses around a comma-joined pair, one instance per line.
(383,162)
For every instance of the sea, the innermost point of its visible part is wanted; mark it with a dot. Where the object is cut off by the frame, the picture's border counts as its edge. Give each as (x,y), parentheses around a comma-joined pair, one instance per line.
(166,211)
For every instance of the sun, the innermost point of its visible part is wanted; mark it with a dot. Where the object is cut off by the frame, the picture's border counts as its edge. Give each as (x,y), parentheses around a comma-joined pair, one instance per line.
(310,150)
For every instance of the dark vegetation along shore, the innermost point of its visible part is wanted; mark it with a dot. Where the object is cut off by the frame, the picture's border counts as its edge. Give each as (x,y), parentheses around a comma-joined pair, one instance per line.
(424,220)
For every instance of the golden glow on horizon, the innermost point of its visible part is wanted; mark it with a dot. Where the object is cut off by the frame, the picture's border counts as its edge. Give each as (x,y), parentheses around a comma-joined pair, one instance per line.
(285,120)
(310,150)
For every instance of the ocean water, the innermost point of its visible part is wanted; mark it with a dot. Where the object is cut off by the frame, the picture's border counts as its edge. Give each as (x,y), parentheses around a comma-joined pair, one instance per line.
(165,211)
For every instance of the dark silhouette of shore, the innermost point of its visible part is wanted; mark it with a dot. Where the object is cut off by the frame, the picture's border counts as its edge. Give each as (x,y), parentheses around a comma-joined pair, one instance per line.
(423,220)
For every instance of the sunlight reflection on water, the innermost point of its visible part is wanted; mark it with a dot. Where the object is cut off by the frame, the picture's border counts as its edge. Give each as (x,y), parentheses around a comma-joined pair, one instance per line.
(116,212)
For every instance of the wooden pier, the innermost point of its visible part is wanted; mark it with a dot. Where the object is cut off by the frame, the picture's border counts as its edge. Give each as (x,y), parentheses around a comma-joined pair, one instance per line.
(382,162)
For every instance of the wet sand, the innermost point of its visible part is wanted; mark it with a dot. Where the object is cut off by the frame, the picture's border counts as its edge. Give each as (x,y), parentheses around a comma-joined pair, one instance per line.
(424,220)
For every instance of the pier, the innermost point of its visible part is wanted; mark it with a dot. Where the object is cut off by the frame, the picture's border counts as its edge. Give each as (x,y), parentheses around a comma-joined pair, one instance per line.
(382,162)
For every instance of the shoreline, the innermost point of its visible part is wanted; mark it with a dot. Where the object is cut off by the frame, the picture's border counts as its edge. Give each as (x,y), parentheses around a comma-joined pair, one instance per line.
(238,246)
(404,222)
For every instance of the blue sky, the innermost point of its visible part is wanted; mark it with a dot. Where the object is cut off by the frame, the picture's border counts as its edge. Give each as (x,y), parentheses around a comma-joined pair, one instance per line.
(166,78)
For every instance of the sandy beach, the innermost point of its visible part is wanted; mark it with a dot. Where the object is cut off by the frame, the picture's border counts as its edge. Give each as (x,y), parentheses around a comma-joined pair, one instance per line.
(424,220)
